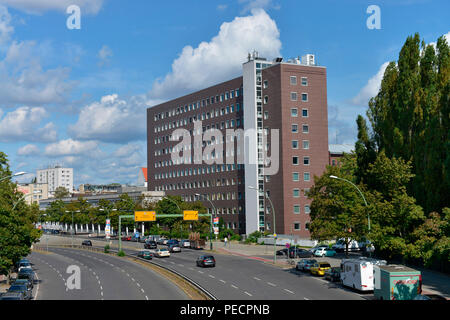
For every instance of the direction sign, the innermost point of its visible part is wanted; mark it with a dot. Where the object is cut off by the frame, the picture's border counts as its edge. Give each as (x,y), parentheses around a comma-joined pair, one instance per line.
(144,216)
(190,215)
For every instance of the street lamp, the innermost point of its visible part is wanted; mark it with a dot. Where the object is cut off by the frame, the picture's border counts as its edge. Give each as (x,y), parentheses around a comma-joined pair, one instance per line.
(274,226)
(72,222)
(24,196)
(210,224)
(14,175)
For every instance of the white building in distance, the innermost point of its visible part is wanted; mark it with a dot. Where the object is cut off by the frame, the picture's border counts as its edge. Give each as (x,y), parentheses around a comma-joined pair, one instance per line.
(56,177)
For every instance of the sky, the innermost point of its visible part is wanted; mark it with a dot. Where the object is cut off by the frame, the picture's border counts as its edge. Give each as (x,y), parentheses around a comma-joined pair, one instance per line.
(78,96)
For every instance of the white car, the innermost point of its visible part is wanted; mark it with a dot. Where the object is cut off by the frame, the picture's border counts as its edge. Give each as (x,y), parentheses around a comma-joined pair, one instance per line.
(25,265)
(162,253)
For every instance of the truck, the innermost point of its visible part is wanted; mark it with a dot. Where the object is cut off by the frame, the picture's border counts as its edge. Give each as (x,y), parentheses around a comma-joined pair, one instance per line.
(339,246)
(358,273)
(396,282)
(195,241)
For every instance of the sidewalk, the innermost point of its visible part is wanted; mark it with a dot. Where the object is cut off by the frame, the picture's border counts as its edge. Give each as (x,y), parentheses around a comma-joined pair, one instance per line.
(433,282)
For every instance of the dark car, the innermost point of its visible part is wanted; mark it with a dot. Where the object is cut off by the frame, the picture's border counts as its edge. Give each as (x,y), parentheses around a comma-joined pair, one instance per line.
(172,242)
(150,244)
(12,296)
(87,243)
(302,253)
(21,288)
(143,239)
(26,274)
(174,248)
(333,274)
(126,238)
(206,261)
(26,282)
(145,254)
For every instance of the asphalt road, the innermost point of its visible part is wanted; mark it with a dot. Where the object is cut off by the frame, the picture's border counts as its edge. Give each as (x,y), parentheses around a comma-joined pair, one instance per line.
(240,278)
(103,277)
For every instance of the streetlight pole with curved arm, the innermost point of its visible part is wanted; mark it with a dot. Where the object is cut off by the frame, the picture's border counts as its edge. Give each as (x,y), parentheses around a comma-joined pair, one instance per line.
(24,196)
(210,224)
(14,175)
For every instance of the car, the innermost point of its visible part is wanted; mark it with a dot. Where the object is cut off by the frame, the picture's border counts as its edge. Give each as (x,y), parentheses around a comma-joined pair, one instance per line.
(333,274)
(26,282)
(126,238)
(325,252)
(305,264)
(302,253)
(87,243)
(160,240)
(24,265)
(143,239)
(12,296)
(162,253)
(185,243)
(164,241)
(26,274)
(172,242)
(313,250)
(206,261)
(174,248)
(145,254)
(319,268)
(21,288)
(150,244)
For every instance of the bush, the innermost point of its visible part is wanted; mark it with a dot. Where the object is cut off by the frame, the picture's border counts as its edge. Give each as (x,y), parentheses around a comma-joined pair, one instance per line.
(106,249)
(236,237)
(121,253)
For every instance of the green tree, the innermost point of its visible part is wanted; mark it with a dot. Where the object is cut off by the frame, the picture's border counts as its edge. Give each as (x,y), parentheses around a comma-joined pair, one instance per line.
(61,193)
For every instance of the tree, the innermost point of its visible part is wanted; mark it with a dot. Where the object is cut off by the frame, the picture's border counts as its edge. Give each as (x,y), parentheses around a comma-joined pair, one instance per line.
(61,193)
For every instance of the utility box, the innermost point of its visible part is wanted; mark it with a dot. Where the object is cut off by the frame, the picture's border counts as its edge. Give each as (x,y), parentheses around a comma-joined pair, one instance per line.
(396,282)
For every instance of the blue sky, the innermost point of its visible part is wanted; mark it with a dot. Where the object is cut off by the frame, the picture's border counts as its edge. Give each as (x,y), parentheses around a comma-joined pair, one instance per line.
(78,97)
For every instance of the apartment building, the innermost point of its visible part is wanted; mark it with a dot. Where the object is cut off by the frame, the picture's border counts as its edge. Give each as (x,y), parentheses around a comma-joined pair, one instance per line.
(254,144)
(55,177)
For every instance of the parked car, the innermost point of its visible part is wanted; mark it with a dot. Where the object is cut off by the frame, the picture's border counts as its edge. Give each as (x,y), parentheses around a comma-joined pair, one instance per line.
(143,239)
(185,243)
(333,274)
(313,250)
(303,253)
(339,246)
(165,241)
(162,253)
(324,252)
(174,248)
(26,274)
(319,268)
(24,265)
(87,243)
(26,282)
(150,244)
(12,296)
(126,238)
(160,240)
(145,254)
(172,242)
(305,264)
(206,261)
(21,288)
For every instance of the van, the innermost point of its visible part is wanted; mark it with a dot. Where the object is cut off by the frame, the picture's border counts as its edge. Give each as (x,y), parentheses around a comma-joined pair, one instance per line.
(358,273)
(339,246)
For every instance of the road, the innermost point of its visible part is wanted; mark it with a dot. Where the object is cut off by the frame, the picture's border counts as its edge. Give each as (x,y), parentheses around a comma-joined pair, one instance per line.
(239,278)
(103,277)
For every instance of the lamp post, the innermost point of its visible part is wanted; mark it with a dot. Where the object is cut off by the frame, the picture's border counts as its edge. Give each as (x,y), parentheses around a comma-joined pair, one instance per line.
(14,175)
(72,223)
(24,196)
(210,224)
(274,226)
(362,195)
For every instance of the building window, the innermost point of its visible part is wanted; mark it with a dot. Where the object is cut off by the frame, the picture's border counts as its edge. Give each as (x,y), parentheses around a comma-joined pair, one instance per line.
(266,115)
(294,144)
(297,226)
(266,99)
(304,81)
(295,176)
(306,161)
(293,96)
(333,162)
(307,209)
(306,176)
(305,128)
(293,80)
(296,193)
(304,97)
(306,144)
(305,113)
(296,209)
(294,112)
(295,161)
(294,128)
(265,84)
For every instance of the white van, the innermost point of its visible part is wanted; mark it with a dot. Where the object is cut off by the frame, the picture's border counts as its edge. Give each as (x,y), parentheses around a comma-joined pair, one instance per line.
(339,246)
(358,273)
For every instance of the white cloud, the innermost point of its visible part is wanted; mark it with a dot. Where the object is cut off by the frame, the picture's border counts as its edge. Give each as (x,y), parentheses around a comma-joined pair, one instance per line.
(28,150)
(23,123)
(221,58)
(112,120)
(71,147)
(447,37)
(371,88)
(6,29)
(104,54)
(249,5)
(41,6)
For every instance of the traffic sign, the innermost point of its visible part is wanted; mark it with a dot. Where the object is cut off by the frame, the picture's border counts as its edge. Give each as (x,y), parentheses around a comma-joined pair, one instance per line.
(190,215)
(144,216)
(216,230)
(216,220)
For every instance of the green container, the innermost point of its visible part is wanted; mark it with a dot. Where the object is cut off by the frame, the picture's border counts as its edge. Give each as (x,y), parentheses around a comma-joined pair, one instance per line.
(396,282)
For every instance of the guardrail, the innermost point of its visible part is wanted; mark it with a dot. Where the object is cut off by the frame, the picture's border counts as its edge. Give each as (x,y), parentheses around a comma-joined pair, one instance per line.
(100,249)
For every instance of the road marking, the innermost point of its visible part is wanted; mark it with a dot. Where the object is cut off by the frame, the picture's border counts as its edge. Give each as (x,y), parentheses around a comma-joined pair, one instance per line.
(181,265)
(222,281)
(247,293)
(200,272)
(257,278)
(289,291)
(128,274)
(146,297)
(137,283)
(271,284)
(191,269)
(142,290)
(133,279)
(234,286)
(305,298)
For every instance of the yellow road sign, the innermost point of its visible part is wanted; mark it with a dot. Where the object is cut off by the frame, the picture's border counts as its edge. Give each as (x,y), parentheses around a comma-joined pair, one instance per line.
(144,216)
(190,215)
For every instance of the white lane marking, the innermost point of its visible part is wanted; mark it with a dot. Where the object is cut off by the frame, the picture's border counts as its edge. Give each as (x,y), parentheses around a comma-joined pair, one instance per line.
(133,279)
(128,274)
(257,278)
(142,290)
(211,276)
(181,265)
(137,283)
(288,291)
(191,269)
(234,286)
(248,293)
(200,271)
(222,281)
(146,297)
(305,298)
(271,284)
